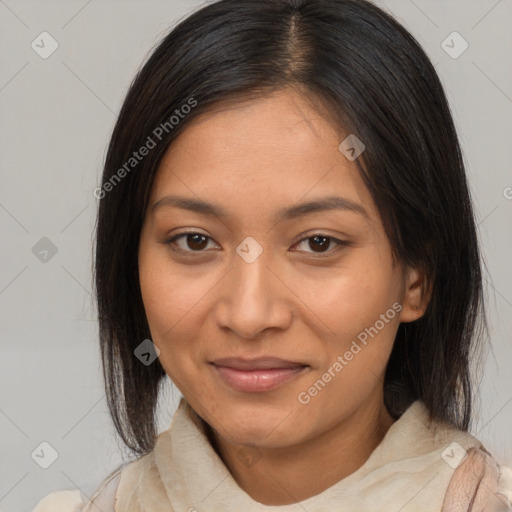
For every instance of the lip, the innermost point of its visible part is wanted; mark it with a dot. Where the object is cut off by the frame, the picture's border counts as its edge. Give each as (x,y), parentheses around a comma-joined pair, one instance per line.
(260,363)
(256,375)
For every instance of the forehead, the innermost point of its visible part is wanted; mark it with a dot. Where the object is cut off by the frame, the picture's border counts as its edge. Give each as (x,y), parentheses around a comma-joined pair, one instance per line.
(260,153)
(283,124)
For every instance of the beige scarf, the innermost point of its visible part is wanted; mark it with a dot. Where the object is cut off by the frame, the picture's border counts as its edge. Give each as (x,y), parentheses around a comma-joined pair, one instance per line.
(418,467)
(410,471)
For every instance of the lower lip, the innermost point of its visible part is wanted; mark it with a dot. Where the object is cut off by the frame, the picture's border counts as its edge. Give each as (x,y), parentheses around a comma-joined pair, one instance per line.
(257,380)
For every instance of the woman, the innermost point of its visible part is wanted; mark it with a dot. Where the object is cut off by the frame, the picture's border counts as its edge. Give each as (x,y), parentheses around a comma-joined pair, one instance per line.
(285,230)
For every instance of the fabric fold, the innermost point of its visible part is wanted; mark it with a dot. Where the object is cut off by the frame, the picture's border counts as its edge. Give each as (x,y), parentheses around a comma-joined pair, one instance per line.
(410,470)
(419,466)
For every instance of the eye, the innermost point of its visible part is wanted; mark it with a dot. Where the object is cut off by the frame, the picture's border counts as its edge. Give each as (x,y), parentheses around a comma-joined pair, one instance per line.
(319,243)
(195,241)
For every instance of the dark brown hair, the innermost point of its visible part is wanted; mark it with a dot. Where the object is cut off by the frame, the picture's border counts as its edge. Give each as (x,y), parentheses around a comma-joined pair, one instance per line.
(377,82)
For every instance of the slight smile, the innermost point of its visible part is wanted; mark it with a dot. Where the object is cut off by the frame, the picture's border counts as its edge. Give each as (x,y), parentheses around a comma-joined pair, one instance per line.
(256,375)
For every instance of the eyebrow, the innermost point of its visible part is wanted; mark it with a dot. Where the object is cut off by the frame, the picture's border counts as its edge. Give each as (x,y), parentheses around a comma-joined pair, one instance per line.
(284,214)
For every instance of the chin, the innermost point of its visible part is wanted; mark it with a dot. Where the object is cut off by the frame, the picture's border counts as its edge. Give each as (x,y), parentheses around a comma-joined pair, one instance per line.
(256,424)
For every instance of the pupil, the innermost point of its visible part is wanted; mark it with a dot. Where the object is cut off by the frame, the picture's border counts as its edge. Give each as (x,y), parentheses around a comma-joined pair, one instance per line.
(196,240)
(323,244)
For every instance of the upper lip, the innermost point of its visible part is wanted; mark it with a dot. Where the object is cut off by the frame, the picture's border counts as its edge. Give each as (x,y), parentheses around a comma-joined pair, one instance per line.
(260,363)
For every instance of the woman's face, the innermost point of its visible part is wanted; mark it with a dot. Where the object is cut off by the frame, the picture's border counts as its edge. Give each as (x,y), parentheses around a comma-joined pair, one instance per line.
(305,325)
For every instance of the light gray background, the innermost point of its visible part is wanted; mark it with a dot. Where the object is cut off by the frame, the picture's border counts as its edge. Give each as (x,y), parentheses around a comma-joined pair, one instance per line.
(56,118)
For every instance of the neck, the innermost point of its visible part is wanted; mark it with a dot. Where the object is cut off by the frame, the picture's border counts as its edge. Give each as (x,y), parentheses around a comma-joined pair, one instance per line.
(286,475)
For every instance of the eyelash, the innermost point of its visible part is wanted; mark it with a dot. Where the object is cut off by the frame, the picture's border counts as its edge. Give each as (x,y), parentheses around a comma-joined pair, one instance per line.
(189,253)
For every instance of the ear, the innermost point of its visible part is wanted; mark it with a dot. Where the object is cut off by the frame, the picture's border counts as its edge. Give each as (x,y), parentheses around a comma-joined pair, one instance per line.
(417,295)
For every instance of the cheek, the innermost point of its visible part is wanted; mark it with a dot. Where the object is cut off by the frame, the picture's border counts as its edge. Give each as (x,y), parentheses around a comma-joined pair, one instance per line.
(364,319)
(174,302)
(172,307)
(361,308)
(351,299)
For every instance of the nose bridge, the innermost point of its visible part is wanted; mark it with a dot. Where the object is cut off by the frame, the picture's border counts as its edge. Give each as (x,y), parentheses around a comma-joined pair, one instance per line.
(252,301)
(252,274)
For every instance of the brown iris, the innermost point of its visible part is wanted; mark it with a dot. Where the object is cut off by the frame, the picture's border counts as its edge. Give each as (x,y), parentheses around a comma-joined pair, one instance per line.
(198,241)
(321,242)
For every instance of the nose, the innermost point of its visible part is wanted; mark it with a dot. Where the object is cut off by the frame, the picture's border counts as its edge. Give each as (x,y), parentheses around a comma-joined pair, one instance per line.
(254,298)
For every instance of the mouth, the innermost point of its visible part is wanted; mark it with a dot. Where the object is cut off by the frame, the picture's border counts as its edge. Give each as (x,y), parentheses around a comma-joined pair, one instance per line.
(256,375)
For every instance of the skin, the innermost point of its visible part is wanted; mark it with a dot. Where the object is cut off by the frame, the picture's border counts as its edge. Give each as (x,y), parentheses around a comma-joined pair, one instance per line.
(295,303)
